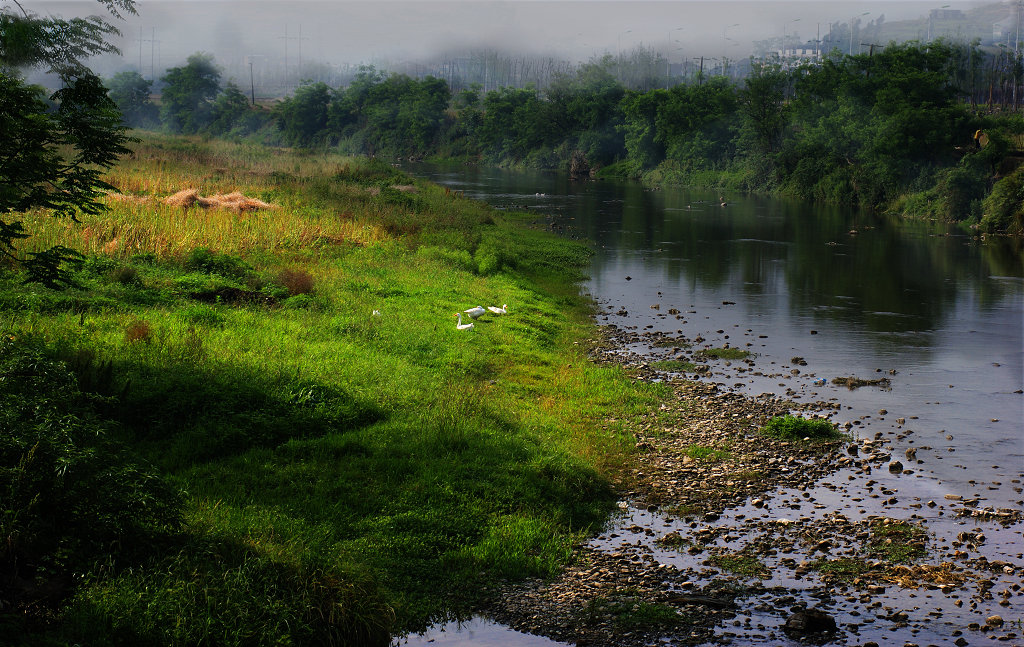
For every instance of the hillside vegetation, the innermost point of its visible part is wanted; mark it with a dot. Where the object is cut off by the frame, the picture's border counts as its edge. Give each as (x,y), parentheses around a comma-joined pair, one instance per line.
(892,129)
(259,425)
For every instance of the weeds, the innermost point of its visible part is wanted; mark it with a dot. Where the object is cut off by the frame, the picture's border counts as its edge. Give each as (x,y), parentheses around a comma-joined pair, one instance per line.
(796,428)
(740,564)
(897,541)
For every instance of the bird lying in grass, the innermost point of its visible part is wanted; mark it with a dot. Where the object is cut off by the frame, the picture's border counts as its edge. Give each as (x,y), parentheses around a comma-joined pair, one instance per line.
(461,326)
(503,310)
(476,312)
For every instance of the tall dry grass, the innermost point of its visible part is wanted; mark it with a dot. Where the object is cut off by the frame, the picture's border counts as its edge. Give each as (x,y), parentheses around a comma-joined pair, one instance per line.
(240,180)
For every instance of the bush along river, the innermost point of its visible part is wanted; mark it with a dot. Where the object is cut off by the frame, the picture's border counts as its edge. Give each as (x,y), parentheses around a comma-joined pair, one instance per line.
(907,336)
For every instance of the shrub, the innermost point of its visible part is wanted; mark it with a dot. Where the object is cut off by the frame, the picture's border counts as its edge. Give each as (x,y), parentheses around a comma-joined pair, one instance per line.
(209,262)
(1002,207)
(796,428)
(296,281)
(125,275)
(70,494)
(138,330)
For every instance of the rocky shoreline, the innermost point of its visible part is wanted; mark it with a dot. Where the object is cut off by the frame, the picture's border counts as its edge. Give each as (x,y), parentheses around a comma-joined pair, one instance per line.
(705,552)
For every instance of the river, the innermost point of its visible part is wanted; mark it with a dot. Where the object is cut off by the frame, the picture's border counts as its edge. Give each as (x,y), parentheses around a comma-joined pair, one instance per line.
(934,310)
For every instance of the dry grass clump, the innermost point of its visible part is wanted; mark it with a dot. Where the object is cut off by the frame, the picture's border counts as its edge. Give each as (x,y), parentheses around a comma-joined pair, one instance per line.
(138,330)
(131,199)
(296,281)
(919,575)
(404,188)
(234,201)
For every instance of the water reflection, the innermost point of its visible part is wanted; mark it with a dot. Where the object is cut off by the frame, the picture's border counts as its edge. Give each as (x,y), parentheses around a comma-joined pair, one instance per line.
(938,311)
(862,270)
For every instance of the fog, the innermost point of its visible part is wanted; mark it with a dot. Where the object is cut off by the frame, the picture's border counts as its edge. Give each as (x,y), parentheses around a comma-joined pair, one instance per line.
(391,33)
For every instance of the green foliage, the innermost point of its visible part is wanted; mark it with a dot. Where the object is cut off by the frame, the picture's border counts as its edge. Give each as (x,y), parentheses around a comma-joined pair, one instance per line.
(229,109)
(201,259)
(763,108)
(709,454)
(27,40)
(674,365)
(216,592)
(1004,207)
(796,428)
(71,495)
(897,541)
(53,159)
(188,96)
(302,118)
(130,91)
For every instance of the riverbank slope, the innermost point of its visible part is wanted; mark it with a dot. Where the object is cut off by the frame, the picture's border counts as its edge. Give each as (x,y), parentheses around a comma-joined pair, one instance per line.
(253,419)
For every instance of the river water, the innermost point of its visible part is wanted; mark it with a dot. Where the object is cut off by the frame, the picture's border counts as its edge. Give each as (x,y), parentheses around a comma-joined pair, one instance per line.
(938,312)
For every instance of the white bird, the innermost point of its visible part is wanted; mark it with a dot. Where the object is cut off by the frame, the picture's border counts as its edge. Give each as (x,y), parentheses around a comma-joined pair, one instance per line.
(503,310)
(476,312)
(376,313)
(461,326)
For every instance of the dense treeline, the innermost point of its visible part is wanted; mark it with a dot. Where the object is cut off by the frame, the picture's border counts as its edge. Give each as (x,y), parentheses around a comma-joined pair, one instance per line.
(894,127)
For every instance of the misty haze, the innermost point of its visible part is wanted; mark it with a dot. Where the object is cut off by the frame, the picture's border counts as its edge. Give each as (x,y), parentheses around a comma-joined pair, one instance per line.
(511,324)
(289,41)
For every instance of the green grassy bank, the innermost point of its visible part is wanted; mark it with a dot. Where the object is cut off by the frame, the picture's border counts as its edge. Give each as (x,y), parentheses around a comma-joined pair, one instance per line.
(214,440)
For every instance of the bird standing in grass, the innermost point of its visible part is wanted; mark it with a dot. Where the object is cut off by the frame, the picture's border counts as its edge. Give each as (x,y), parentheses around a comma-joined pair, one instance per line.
(503,310)
(461,326)
(476,312)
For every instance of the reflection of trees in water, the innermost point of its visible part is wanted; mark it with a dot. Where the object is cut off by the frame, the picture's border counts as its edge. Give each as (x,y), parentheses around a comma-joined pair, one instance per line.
(888,277)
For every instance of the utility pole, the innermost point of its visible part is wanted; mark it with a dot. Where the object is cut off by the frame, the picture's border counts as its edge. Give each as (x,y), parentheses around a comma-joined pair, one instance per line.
(152,55)
(286,38)
(700,72)
(152,45)
(299,69)
(252,84)
(1016,43)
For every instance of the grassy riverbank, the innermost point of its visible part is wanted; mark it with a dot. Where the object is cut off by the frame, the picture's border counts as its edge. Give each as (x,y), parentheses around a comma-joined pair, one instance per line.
(273,460)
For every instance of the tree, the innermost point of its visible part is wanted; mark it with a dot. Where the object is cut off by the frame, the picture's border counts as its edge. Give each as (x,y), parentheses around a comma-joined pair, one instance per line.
(303,118)
(763,107)
(52,156)
(130,91)
(189,94)
(228,110)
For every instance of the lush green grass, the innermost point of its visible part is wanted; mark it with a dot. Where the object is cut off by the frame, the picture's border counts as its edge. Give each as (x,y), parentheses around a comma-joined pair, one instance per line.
(797,428)
(674,366)
(703,453)
(343,474)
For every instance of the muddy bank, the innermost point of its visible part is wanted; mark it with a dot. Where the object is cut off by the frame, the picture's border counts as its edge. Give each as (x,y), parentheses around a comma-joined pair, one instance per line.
(729,536)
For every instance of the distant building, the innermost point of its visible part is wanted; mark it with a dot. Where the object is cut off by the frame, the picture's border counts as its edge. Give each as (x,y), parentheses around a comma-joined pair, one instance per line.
(946,14)
(1004,28)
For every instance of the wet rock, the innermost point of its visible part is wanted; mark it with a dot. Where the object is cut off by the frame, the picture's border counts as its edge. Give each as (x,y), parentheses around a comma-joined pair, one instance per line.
(994,621)
(810,624)
(896,467)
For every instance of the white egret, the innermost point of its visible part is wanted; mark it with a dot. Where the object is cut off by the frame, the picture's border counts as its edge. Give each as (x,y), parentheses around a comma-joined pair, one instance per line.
(461,326)
(476,312)
(503,310)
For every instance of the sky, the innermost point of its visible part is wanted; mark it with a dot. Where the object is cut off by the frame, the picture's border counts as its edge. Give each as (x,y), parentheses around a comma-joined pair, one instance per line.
(353,32)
